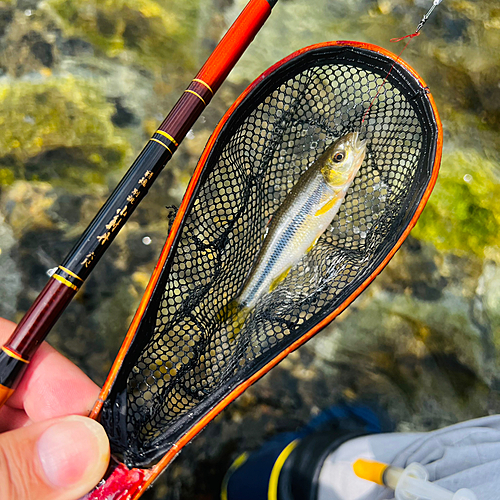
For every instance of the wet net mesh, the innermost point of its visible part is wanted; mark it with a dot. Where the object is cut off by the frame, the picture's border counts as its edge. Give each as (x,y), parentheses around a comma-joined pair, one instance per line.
(185,359)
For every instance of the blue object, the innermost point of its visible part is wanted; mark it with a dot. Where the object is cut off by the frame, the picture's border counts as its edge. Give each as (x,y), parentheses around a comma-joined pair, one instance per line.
(249,476)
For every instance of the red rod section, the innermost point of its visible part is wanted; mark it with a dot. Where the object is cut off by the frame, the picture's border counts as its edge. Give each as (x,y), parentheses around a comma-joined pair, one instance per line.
(234,43)
(70,276)
(215,70)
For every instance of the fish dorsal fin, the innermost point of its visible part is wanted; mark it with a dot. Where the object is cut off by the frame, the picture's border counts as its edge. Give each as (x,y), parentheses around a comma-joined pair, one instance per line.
(266,229)
(276,281)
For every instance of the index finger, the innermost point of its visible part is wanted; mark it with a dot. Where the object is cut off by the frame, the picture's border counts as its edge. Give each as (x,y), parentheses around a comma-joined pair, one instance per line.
(52,386)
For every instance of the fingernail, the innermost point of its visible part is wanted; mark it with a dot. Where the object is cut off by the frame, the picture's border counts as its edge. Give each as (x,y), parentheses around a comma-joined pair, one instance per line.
(73,451)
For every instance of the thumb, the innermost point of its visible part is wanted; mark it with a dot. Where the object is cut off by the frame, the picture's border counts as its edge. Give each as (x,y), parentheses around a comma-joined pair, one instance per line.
(59,459)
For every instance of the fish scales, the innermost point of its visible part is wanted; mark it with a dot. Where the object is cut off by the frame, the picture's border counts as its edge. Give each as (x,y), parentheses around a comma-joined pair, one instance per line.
(290,233)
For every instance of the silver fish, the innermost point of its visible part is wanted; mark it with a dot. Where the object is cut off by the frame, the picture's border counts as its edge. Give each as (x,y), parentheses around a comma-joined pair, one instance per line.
(303,217)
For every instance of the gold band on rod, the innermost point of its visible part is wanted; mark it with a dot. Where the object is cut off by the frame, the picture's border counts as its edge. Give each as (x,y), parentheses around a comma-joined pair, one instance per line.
(203,83)
(14,354)
(197,95)
(169,137)
(71,273)
(162,143)
(64,281)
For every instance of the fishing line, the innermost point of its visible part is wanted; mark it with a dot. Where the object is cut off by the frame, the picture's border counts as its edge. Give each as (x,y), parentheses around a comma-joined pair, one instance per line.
(410,36)
(420,24)
(384,81)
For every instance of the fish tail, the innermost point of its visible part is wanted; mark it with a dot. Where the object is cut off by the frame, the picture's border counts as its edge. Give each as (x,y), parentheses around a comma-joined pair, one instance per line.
(232,317)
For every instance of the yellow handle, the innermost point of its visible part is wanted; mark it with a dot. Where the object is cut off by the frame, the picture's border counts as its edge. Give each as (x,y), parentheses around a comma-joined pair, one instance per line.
(370,470)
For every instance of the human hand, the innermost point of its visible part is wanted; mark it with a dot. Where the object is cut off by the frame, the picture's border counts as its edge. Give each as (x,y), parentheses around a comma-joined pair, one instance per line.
(45,454)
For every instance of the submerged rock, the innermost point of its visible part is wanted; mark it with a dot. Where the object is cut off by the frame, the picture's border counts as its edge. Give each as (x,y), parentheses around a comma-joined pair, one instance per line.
(65,132)
(147,31)
(10,284)
(463,215)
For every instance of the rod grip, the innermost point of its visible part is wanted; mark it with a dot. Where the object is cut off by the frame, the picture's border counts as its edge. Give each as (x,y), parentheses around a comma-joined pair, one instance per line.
(40,318)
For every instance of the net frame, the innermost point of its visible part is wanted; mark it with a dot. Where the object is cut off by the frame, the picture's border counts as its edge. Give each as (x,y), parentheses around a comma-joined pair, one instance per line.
(186,427)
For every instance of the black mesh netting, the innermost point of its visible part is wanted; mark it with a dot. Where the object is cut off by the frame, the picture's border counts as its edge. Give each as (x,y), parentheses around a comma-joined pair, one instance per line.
(184,359)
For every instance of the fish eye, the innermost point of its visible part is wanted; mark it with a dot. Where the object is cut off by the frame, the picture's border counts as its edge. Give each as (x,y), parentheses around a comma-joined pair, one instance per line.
(338,157)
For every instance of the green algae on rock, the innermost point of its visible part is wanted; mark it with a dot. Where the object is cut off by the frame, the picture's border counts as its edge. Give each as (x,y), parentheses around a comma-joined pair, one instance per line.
(462,215)
(151,32)
(64,133)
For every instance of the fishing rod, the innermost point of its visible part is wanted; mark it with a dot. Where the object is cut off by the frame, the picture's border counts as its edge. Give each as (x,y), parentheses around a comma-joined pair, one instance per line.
(16,354)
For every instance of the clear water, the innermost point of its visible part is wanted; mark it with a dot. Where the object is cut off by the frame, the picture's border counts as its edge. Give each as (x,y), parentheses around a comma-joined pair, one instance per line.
(82,86)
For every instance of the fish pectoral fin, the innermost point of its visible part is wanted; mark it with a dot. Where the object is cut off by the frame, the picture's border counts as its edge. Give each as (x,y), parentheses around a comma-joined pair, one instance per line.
(326,206)
(230,310)
(276,281)
(235,323)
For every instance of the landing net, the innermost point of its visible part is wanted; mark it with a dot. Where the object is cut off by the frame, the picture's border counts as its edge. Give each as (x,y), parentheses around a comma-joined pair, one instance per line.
(184,360)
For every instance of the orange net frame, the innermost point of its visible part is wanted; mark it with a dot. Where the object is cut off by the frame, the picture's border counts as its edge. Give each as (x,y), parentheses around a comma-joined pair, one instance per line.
(183,361)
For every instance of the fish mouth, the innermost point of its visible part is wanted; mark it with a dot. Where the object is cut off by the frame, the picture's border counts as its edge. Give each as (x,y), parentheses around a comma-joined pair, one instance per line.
(359,144)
